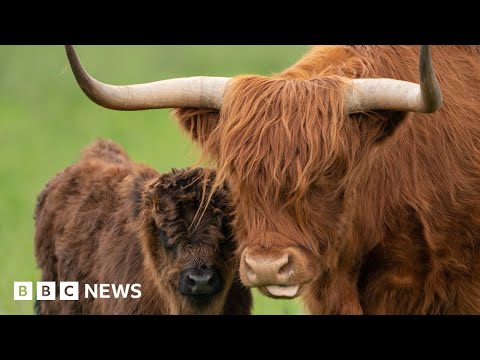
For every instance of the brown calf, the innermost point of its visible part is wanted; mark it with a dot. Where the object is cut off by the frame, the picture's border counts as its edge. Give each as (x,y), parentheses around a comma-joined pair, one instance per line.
(107,220)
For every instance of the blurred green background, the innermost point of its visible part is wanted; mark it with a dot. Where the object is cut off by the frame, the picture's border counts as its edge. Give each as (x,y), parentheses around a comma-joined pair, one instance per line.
(45,121)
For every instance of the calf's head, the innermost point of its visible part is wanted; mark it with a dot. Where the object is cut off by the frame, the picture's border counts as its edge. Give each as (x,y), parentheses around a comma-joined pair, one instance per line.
(189,248)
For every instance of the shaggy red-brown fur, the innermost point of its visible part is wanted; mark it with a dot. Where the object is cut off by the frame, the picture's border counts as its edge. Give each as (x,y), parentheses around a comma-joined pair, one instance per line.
(107,220)
(384,206)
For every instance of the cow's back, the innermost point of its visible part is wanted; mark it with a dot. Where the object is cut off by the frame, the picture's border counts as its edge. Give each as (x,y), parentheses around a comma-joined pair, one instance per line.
(417,195)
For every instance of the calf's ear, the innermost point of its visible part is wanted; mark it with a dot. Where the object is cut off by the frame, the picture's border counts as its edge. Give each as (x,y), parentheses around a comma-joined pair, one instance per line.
(163,182)
(197,123)
(155,188)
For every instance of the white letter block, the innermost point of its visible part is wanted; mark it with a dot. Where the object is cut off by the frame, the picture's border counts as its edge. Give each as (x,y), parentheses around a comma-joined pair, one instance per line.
(46,290)
(22,290)
(68,290)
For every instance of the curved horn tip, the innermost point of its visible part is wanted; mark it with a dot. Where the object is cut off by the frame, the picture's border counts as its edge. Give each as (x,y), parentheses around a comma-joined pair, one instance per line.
(430,88)
(71,52)
(172,93)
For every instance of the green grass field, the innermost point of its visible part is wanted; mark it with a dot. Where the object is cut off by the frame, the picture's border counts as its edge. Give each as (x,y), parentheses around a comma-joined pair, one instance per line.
(45,120)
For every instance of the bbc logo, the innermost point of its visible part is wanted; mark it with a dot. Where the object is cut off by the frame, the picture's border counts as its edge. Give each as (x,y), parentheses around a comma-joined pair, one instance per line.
(46,290)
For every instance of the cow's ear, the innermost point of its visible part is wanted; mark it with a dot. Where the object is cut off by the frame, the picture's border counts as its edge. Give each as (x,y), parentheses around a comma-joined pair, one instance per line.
(198,123)
(380,125)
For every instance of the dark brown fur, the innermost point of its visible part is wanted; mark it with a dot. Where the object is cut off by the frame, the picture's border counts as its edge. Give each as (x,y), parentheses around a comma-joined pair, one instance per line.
(384,206)
(98,221)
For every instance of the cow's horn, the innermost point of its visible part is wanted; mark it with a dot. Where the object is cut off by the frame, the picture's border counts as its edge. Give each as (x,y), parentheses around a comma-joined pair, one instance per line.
(197,92)
(390,94)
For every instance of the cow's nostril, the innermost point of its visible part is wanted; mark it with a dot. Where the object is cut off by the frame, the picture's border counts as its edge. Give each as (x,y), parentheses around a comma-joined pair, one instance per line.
(249,268)
(283,261)
(249,263)
(286,269)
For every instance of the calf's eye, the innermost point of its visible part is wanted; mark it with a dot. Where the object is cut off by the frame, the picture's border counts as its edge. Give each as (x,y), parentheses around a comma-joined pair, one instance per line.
(162,236)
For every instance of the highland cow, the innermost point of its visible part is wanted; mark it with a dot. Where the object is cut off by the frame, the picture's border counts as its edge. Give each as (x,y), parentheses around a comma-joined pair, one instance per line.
(353,186)
(107,220)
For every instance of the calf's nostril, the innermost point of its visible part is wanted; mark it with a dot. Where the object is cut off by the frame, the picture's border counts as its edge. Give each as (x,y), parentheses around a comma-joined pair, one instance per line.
(191,281)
